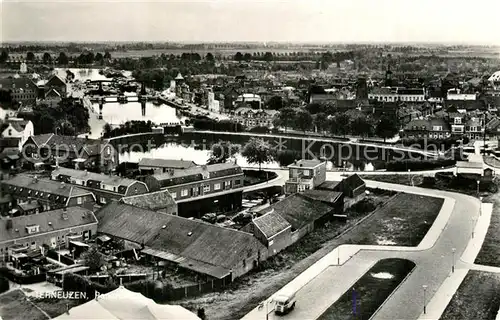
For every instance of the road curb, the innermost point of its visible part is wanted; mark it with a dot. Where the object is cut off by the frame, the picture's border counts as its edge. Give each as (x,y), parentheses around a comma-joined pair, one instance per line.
(393,291)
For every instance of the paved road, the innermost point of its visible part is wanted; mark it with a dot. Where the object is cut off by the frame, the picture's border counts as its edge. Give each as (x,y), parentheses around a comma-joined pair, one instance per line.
(434,263)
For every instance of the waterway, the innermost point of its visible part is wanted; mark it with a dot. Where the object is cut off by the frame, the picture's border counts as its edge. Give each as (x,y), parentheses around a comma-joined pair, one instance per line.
(116,113)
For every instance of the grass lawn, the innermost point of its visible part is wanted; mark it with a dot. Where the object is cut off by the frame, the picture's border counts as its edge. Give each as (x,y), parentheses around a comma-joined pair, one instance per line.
(14,306)
(490,251)
(403,221)
(55,307)
(478,297)
(394,178)
(371,290)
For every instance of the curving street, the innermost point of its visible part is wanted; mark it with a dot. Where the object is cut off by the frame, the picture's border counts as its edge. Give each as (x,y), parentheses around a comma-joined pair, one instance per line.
(324,282)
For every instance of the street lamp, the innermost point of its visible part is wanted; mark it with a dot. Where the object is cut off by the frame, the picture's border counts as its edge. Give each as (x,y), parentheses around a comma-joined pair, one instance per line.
(478,188)
(425,301)
(453,257)
(409,175)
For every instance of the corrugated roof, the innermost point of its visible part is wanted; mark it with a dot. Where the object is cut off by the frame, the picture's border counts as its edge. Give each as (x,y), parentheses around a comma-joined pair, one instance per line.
(74,216)
(271,223)
(195,240)
(151,201)
(300,210)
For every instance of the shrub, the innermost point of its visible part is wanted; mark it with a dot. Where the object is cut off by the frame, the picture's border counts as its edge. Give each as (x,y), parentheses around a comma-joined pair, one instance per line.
(259,129)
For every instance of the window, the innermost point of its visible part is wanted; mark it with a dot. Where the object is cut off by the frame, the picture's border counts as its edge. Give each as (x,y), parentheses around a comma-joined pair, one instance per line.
(184,192)
(458,120)
(271,242)
(103,200)
(244,263)
(227,184)
(173,194)
(237,182)
(306,173)
(79,200)
(437,128)
(206,188)
(217,186)
(10,132)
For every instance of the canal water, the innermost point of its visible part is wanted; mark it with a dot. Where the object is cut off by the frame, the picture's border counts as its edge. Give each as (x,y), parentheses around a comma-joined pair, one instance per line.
(116,113)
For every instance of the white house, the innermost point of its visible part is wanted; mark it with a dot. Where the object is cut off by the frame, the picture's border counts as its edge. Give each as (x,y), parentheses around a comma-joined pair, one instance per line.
(18,128)
(456,94)
(251,99)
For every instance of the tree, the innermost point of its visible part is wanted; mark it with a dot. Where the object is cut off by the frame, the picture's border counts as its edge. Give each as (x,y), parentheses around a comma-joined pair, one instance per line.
(247,57)
(314,108)
(284,118)
(4,56)
(303,120)
(268,56)
(30,56)
(106,129)
(238,56)
(386,128)
(320,121)
(275,103)
(62,59)
(47,58)
(361,127)
(93,259)
(340,124)
(107,55)
(258,151)
(223,151)
(209,57)
(99,57)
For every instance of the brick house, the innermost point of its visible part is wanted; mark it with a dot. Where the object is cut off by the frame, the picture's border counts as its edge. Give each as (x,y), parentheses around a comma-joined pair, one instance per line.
(54,228)
(49,194)
(22,89)
(436,128)
(105,187)
(198,189)
(305,175)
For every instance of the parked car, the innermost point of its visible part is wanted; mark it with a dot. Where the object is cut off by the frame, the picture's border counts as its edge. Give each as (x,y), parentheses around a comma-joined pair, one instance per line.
(209,217)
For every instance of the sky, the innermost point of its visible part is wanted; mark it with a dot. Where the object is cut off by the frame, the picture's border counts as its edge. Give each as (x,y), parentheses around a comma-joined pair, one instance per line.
(351,21)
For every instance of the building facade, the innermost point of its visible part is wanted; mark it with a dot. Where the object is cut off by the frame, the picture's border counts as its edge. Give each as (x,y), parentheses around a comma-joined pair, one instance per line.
(105,187)
(305,175)
(53,229)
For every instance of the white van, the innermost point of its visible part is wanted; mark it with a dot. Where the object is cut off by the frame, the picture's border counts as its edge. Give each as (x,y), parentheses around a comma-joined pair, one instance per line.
(284,303)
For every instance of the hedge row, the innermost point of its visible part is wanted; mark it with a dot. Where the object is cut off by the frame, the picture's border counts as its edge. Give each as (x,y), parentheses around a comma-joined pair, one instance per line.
(417,165)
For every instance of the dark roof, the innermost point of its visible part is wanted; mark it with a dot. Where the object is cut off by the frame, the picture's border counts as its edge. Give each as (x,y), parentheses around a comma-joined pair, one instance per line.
(467,104)
(87,175)
(151,201)
(27,182)
(323,195)
(18,125)
(59,220)
(193,244)
(70,143)
(166,163)
(52,93)
(329,185)
(428,124)
(352,182)
(418,91)
(271,224)
(300,210)
(55,80)
(180,176)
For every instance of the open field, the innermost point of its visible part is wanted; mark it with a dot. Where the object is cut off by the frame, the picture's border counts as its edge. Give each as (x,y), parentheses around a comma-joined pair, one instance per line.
(490,250)
(406,227)
(14,306)
(403,221)
(363,299)
(478,297)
